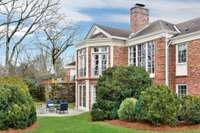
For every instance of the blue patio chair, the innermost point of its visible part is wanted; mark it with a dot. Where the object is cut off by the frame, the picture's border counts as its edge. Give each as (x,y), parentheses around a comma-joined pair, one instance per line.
(50,104)
(63,106)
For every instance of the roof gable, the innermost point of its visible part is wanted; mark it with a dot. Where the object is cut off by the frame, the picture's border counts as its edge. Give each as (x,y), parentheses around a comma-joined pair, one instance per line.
(100,31)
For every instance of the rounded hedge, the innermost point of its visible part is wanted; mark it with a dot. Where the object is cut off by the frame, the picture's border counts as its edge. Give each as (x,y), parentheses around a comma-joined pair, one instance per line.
(190,109)
(127,109)
(14,81)
(115,85)
(17,108)
(158,105)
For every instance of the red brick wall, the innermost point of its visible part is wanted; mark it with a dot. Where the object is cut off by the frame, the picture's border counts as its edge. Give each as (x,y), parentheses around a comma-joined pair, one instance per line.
(120,56)
(159,61)
(172,67)
(139,18)
(193,65)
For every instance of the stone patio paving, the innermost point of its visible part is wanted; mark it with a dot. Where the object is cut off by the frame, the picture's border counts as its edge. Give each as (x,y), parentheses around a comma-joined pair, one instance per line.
(41,111)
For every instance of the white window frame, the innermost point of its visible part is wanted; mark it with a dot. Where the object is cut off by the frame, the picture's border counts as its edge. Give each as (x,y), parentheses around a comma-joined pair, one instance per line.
(146,56)
(82,65)
(93,95)
(177,88)
(181,68)
(100,53)
(177,52)
(81,101)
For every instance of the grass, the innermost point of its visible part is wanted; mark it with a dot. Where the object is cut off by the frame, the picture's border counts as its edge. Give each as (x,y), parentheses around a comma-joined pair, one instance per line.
(82,124)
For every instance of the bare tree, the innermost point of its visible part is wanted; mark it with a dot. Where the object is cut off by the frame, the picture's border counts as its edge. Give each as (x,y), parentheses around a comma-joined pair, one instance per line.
(58,39)
(21,18)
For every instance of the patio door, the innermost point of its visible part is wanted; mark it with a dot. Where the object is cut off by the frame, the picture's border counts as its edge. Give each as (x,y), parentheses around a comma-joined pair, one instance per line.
(82,96)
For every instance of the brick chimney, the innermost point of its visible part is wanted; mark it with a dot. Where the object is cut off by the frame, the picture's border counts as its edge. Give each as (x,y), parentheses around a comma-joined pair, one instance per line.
(139,17)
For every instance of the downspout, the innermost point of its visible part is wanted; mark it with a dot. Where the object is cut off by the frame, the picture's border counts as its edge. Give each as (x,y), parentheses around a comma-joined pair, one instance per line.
(167,44)
(166,60)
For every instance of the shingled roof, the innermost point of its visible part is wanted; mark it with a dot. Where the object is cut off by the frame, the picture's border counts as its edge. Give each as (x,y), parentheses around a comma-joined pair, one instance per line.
(156,26)
(189,26)
(115,31)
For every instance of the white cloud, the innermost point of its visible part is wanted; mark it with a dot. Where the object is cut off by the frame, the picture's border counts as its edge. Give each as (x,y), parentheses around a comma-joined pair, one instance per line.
(173,11)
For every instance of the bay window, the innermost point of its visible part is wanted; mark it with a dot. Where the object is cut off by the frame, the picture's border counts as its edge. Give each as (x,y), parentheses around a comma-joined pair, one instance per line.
(143,55)
(82,62)
(99,60)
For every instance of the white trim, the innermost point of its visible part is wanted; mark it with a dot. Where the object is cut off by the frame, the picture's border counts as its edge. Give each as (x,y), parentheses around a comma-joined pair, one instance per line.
(166,61)
(87,94)
(76,95)
(70,67)
(186,37)
(181,65)
(95,27)
(100,42)
(111,56)
(100,30)
(87,62)
(146,38)
(181,85)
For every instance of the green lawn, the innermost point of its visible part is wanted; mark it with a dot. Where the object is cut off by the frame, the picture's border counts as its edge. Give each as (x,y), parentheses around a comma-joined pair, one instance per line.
(81,124)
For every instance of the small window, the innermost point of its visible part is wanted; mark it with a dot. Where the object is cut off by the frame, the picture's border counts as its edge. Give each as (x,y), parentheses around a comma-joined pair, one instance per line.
(182,52)
(181,90)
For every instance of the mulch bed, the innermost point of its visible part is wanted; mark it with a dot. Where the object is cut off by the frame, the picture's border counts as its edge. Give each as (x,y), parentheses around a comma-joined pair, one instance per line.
(21,130)
(150,127)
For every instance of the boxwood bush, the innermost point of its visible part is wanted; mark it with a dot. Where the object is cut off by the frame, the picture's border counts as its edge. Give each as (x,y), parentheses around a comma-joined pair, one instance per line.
(190,109)
(127,109)
(115,85)
(17,109)
(158,105)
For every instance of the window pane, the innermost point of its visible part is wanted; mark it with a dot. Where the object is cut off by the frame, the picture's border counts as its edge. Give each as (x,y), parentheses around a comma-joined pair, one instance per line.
(182,52)
(132,55)
(100,60)
(142,55)
(151,57)
(182,90)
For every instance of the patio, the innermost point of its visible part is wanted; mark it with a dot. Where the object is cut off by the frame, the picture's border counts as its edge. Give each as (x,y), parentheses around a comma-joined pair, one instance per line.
(42,111)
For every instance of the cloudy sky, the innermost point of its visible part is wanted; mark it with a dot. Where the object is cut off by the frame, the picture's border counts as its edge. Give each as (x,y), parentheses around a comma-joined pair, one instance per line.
(116,12)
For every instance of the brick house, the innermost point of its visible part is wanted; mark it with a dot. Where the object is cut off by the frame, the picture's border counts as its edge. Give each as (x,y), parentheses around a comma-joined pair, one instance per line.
(169,52)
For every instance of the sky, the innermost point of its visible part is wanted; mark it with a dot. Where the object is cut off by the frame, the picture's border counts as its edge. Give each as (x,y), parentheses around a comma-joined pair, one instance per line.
(115,13)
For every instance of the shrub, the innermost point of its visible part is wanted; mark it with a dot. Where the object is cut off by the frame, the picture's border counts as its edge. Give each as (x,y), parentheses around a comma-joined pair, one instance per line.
(118,83)
(158,105)
(190,109)
(14,81)
(17,108)
(37,91)
(127,109)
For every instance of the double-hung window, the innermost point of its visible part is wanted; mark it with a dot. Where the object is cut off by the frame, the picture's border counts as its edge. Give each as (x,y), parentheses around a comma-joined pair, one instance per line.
(82,62)
(132,55)
(99,60)
(143,55)
(181,90)
(182,52)
(150,57)
(181,59)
